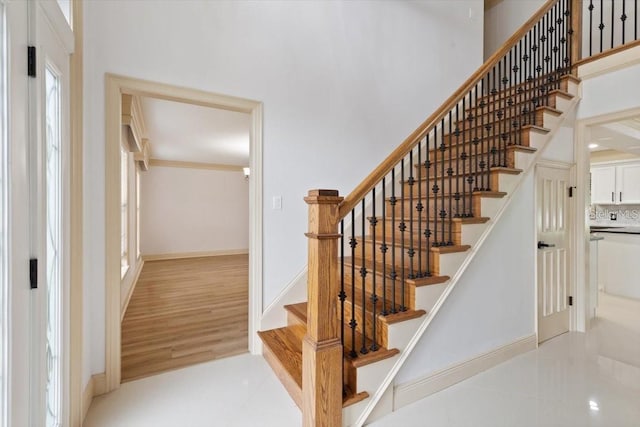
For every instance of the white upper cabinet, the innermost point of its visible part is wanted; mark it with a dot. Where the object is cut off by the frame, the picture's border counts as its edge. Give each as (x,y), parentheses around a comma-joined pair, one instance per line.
(603,185)
(615,184)
(628,180)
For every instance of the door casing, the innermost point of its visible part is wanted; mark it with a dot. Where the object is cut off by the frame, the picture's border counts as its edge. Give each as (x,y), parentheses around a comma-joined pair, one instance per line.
(116,86)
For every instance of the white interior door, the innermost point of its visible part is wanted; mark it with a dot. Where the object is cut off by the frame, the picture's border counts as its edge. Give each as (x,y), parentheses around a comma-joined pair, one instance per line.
(552,216)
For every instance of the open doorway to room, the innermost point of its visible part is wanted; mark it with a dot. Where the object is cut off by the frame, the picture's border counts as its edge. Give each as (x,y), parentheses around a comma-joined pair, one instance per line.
(181,222)
(185,234)
(613,292)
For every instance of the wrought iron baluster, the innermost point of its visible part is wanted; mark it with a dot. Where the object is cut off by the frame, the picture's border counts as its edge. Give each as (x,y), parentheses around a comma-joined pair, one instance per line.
(411,251)
(363,275)
(427,232)
(353,323)
(343,295)
(374,293)
(384,248)
(450,174)
(419,208)
(590,8)
(403,228)
(474,131)
(456,195)
(394,272)
(613,20)
(623,18)
(601,26)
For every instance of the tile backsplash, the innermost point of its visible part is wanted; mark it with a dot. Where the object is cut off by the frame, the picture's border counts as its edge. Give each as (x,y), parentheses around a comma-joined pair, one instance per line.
(625,214)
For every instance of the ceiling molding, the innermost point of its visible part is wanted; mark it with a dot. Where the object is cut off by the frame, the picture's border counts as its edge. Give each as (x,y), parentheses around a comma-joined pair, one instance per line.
(194,165)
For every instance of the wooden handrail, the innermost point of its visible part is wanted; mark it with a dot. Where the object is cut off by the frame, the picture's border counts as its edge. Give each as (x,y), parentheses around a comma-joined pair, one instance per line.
(407,145)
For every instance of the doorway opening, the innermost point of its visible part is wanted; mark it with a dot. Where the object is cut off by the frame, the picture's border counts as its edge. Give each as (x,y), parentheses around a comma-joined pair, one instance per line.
(185,234)
(612,312)
(179,234)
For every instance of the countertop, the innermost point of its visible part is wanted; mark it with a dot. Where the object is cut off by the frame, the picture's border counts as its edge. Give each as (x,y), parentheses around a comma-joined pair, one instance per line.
(620,230)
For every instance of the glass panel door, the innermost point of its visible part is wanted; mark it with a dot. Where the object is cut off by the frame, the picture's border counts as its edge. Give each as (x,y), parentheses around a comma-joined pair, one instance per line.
(54,291)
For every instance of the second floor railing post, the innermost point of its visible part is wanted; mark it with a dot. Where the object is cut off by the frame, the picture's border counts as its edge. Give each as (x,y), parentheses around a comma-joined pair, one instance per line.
(576,36)
(322,355)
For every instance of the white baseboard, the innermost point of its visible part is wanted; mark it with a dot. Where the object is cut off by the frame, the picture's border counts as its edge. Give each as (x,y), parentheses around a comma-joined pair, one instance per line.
(412,391)
(96,386)
(275,316)
(136,276)
(200,254)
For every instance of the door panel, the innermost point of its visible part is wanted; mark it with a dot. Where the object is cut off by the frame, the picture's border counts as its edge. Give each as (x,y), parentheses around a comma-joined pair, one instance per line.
(553,251)
(628,180)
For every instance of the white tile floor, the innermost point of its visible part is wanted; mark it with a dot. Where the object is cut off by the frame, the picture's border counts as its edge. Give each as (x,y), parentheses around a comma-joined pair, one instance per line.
(574,380)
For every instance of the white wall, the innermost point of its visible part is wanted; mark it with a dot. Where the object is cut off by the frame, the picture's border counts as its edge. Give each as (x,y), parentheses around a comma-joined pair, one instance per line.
(611,92)
(493,304)
(503,19)
(342,84)
(193,210)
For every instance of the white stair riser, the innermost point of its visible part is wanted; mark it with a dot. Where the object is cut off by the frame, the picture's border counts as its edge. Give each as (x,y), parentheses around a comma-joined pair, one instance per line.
(471,233)
(522,161)
(426,296)
(506,183)
(449,263)
(490,205)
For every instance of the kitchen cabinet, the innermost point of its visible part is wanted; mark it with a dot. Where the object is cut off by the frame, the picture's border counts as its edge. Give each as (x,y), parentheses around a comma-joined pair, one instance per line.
(603,185)
(615,184)
(628,183)
(618,268)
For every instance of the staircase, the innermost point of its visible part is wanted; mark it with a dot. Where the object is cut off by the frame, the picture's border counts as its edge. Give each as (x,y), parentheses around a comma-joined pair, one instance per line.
(383,260)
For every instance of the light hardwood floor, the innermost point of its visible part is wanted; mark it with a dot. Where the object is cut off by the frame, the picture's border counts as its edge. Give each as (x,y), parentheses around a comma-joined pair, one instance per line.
(185,311)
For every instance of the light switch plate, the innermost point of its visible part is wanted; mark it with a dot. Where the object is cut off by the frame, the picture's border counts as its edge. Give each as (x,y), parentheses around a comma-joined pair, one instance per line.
(277,203)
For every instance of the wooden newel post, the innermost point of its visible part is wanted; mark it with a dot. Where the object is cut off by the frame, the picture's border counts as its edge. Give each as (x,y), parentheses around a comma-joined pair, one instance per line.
(576,37)
(321,347)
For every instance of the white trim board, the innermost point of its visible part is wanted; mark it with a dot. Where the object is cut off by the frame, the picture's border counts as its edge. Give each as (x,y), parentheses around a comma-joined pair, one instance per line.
(199,254)
(134,282)
(275,316)
(407,393)
(115,86)
(194,165)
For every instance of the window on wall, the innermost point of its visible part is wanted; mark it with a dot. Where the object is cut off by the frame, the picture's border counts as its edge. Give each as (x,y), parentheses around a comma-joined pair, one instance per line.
(124,211)
(3,218)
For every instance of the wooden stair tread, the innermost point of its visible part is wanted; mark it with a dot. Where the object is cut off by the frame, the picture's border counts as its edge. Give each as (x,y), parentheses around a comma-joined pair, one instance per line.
(465,220)
(299,310)
(481,193)
(364,359)
(283,351)
(510,114)
(417,282)
(468,140)
(398,242)
(439,176)
(284,355)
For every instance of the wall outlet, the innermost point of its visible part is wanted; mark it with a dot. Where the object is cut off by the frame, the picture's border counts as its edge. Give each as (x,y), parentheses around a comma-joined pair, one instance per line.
(613,216)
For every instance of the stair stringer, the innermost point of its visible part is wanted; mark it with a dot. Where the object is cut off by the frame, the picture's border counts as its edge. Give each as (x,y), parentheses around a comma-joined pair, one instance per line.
(356,415)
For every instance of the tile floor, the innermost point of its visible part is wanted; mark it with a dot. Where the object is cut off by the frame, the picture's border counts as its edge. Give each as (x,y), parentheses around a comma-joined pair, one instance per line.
(575,380)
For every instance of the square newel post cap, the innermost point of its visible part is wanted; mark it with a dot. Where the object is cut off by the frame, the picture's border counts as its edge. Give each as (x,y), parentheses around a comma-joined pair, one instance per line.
(323,197)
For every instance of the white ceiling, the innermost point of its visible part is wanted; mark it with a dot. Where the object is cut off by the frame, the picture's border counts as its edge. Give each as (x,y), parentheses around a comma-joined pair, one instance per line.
(191,133)
(620,136)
